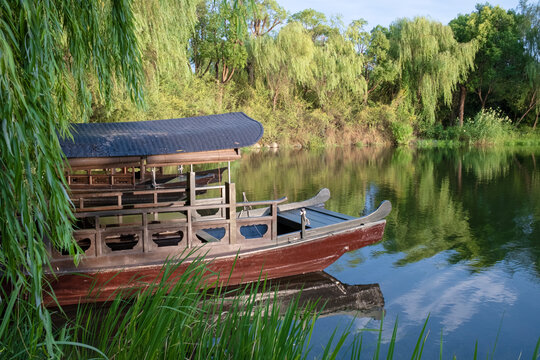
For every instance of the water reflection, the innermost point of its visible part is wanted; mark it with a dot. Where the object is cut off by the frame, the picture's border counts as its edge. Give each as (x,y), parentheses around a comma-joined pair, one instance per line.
(462,242)
(329,295)
(481,204)
(458,297)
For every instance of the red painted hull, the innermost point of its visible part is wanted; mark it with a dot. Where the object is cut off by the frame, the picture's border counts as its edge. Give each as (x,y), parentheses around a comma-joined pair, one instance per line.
(283,260)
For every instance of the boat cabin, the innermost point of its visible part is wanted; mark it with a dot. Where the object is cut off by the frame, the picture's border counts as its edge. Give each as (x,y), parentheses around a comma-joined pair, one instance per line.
(135,191)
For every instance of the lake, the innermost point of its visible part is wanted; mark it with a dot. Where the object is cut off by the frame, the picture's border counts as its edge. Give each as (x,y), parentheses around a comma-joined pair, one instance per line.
(462,244)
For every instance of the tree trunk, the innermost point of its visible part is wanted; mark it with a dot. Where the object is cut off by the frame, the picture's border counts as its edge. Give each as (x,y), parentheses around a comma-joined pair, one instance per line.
(535,122)
(462,96)
(251,73)
(220,95)
(483,99)
(275,100)
(532,104)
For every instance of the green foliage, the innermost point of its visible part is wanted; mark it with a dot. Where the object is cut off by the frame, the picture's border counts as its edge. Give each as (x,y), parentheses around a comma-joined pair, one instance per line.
(163,32)
(487,126)
(284,62)
(219,39)
(337,70)
(530,100)
(314,22)
(287,76)
(403,132)
(46,47)
(500,61)
(431,63)
(266,15)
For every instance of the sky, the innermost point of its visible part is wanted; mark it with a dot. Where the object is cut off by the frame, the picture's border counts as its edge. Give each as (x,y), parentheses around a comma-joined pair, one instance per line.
(384,12)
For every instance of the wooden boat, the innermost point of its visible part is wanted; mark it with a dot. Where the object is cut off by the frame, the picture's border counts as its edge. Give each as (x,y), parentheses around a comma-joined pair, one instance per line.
(124,241)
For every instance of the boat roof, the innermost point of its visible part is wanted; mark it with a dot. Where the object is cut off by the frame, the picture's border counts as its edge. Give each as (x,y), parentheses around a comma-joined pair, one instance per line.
(158,137)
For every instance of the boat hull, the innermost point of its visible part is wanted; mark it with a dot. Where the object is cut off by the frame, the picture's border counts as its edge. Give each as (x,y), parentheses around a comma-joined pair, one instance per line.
(244,266)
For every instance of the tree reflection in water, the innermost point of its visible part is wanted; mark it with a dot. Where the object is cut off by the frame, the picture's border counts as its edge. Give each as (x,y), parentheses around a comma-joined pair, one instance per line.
(480,206)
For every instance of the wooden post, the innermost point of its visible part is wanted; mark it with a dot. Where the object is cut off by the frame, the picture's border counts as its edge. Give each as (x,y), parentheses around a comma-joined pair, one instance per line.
(146,240)
(99,250)
(192,185)
(230,191)
(274,222)
(189,230)
(143,170)
(303,219)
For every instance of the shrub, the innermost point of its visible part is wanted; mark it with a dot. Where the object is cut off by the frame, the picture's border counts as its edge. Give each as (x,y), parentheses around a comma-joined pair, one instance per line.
(487,126)
(402,132)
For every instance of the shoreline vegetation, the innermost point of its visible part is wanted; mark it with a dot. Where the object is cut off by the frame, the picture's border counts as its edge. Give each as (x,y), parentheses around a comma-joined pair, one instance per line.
(310,80)
(174,317)
(314,81)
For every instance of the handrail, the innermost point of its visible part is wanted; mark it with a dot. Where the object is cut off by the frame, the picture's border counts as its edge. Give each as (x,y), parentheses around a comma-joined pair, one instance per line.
(263,202)
(174,208)
(189,222)
(211,187)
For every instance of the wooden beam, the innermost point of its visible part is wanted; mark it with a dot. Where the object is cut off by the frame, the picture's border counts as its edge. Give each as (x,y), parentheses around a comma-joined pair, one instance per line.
(230,199)
(202,157)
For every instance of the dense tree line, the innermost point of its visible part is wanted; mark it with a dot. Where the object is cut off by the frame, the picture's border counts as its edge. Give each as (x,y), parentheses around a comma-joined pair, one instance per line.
(303,73)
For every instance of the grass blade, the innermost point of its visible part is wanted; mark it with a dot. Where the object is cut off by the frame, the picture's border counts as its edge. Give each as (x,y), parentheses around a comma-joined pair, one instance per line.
(417,353)
(392,345)
(536,353)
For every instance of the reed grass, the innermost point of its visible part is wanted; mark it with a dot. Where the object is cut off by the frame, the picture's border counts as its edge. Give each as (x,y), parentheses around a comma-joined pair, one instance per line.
(179,317)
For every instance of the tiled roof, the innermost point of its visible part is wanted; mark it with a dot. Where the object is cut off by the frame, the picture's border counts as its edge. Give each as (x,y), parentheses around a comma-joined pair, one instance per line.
(141,138)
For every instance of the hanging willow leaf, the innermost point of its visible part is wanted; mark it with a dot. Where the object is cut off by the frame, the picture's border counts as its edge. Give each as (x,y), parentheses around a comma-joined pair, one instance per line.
(48,51)
(431,62)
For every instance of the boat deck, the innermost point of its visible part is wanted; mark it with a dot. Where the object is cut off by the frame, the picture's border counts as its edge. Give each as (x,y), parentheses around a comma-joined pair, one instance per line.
(317,216)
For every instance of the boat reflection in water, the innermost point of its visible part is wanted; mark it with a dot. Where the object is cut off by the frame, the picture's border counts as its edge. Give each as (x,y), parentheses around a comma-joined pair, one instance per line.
(330,295)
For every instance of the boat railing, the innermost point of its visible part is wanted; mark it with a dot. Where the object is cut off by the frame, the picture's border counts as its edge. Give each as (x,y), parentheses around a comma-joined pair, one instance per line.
(156,227)
(117,200)
(113,177)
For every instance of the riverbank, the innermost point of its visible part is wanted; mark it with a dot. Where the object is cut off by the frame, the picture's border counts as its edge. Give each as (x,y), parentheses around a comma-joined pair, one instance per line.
(296,124)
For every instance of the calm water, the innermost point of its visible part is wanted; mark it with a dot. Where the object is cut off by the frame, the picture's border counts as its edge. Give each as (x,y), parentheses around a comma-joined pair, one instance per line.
(462,243)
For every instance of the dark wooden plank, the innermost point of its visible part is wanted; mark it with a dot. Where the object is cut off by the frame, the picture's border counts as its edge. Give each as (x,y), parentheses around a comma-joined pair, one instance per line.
(315,219)
(318,218)
(331,213)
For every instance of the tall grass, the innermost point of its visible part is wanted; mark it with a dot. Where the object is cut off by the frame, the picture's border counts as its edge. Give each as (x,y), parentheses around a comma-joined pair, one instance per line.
(176,317)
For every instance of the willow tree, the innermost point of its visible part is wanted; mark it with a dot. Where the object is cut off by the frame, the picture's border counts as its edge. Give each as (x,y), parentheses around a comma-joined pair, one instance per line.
(219,42)
(285,61)
(337,69)
(266,15)
(373,47)
(314,22)
(431,63)
(48,51)
(164,30)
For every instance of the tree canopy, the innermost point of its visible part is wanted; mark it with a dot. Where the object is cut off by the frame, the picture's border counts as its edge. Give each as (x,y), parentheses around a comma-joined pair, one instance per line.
(431,63)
